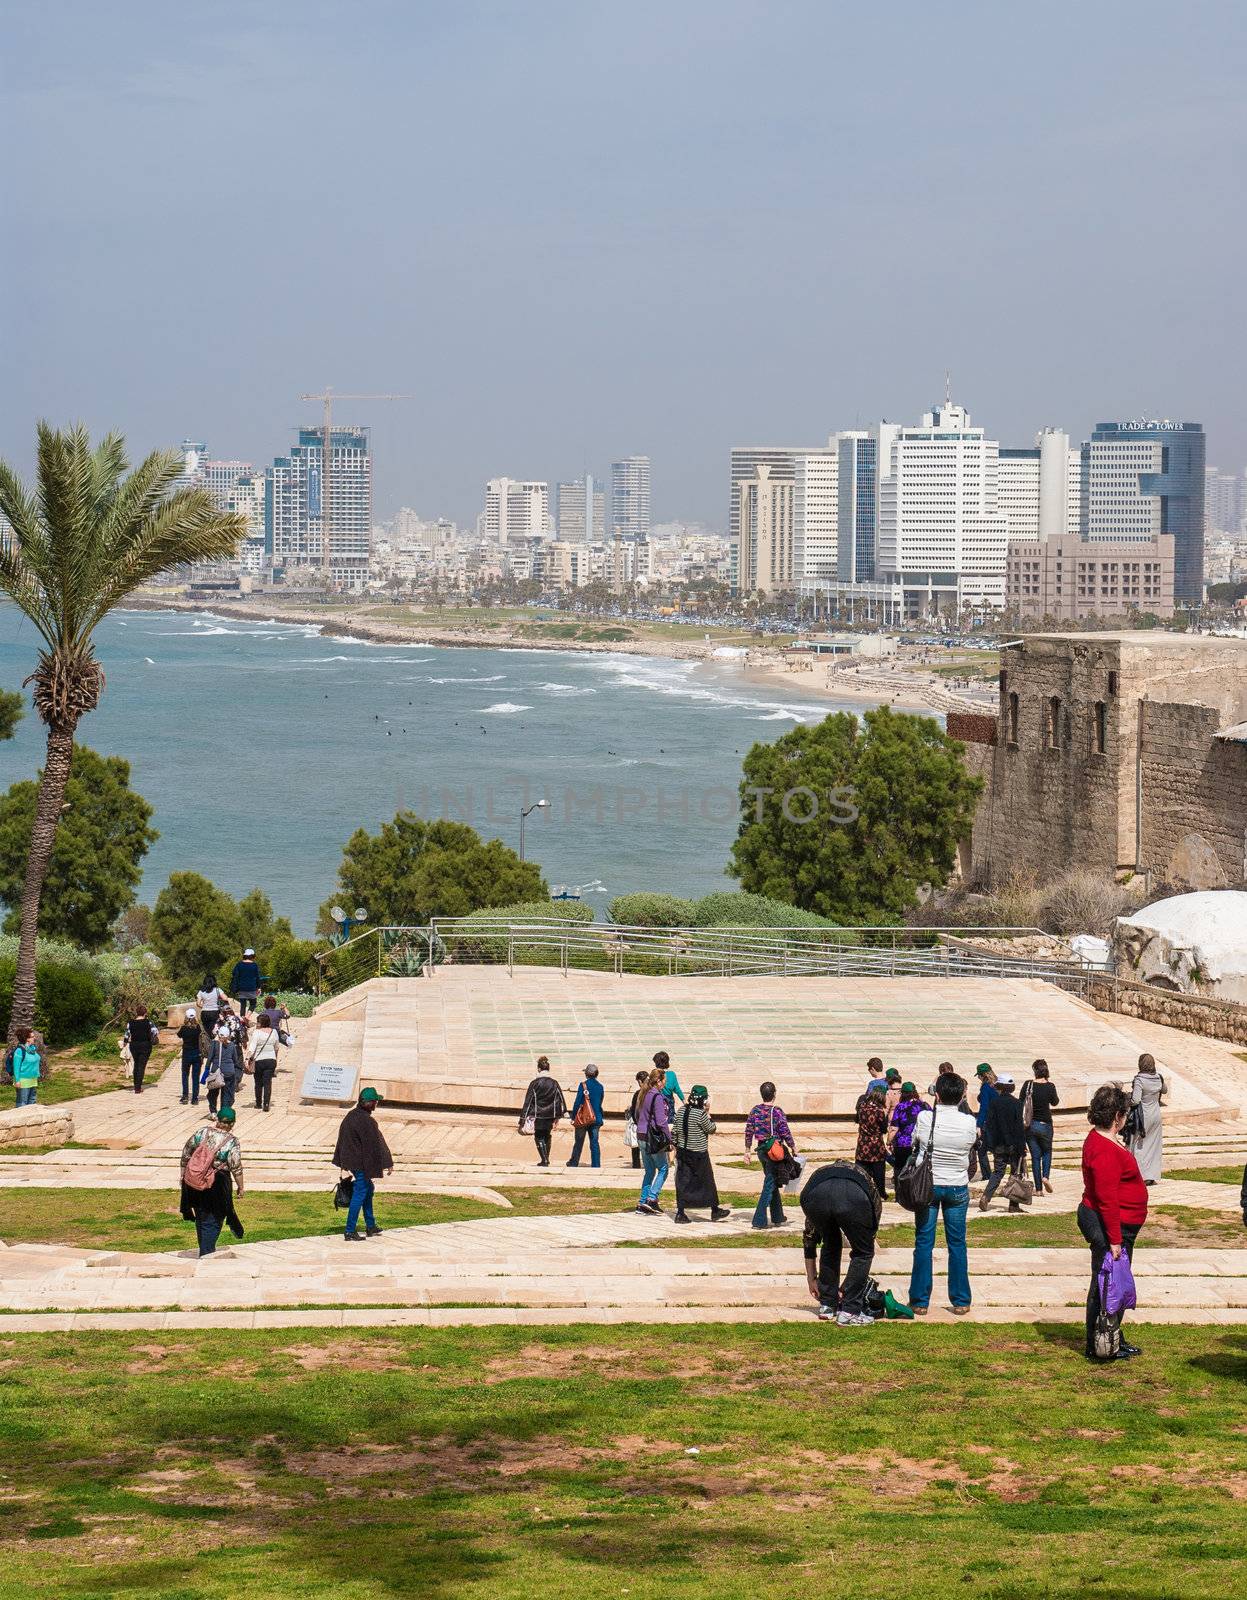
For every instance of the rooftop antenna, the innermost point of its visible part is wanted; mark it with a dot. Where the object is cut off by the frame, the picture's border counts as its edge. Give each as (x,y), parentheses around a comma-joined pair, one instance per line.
(948,387)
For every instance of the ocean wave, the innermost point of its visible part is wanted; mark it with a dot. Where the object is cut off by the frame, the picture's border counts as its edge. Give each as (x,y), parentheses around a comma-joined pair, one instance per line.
(504,708)
(565,689)
(783,715)
(496,677)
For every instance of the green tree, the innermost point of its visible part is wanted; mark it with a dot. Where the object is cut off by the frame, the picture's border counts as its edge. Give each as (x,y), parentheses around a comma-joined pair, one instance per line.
(194,930)
(12,708)
(87,537)
(94,869)
(412,870)
(848,821)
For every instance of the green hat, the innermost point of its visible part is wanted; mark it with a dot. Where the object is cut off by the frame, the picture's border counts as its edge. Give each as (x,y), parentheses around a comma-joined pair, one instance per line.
(700,1088)
(908,1088)
(226,1114)
(983,1066)
(370,1097)
(892,1074)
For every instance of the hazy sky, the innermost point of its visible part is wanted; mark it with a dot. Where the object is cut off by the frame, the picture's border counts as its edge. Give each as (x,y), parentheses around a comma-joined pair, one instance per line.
(574,231)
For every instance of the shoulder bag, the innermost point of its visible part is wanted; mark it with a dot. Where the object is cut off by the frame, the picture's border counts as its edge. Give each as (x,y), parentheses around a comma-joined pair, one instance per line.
(585,1117)
(773,1148)
(657,1142)
(1028,1104)
(915,1187)
(1019,1187)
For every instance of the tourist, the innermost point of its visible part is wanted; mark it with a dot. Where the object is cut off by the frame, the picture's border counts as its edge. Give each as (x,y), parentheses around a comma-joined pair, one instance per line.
(1038,1098)
(840,1201)
(209,1001)
(23,1067)
(1004,1135)
(1114,1201)
(278,1014)
(362,1151)
(633,1137)
(142,1035)
(670,1083)
(192,1056)
(892,1097)
(210,1182)
(222,1068)
(951,1133)
(986,1081)
(653,1127)
(901,1124)
(543,1107)
(265,1043)
(694,1173)
(244,981)
(1147,1093)
(875,1074)
(872,1131)
(589,1092)
(768,1125)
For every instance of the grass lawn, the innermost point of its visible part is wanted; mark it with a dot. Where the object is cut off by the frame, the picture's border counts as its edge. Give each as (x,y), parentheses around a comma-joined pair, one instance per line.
(1209,1174)
(507,1463)
(148,1219)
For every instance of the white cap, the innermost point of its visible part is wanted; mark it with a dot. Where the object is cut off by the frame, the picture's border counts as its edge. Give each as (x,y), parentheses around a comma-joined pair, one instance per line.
(1004,1080)
(190,1013)
(248,952)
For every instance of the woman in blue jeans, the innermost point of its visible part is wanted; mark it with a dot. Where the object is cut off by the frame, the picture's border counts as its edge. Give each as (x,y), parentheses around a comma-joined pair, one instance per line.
(1041,1096)
(652,1117)
(951,1134)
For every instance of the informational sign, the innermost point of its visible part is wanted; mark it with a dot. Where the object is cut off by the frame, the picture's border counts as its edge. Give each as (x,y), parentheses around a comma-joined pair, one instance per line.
(329,1080)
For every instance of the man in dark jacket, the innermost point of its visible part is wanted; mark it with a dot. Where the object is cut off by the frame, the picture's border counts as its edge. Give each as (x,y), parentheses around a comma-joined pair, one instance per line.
(245,981)
(1004,1134)
(840,1201)
(362,1151)
(543,1105)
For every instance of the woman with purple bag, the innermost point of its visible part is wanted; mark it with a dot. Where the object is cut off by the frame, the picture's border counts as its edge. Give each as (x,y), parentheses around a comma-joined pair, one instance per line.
(1113,1210)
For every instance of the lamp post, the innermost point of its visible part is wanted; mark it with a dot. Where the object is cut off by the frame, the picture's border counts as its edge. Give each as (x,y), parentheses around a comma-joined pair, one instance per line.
(537,805)
(347,923)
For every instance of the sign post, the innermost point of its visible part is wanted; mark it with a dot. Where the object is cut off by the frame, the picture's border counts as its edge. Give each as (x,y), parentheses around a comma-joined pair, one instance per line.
(329,1080)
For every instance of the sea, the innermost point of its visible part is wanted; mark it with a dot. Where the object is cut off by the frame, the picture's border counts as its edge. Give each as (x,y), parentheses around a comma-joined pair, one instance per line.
(262,746)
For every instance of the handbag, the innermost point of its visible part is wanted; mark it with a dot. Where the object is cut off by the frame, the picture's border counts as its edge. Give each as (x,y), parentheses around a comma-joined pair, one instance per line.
(631,1137)
(1117,1291)
(585,1116)
(915,1187)
(342,1192)
(1028,1104)
(528,1125)
(773,1148)
(1134,1126)
(657,1141)
(215,1079)
(1017,1186)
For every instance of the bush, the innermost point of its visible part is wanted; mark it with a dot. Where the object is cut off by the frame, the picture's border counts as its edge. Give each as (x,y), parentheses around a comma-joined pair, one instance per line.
(290,963)
(752,911)
(142,983)
(652,910)
(68,1003)
(467,946)
(1078,901)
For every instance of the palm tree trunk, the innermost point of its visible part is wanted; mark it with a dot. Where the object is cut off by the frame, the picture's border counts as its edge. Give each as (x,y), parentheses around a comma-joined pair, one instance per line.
(42,837)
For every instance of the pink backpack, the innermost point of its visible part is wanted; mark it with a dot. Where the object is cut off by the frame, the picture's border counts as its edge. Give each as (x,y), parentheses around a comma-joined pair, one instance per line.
(201,1168)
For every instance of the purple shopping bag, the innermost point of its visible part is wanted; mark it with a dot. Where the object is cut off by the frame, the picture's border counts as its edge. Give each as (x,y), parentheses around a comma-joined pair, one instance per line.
(1116,1285)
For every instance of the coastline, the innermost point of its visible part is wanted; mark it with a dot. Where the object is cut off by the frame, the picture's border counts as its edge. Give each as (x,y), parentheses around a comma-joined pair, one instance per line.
(875,684)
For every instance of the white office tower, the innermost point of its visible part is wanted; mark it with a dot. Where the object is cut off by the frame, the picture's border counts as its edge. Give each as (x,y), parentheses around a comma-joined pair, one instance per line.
(581,511)
(764,517)
(1037,488)
(815,514)
(941,534)
(246,497)
(745,460)
(515,510)
(630,498)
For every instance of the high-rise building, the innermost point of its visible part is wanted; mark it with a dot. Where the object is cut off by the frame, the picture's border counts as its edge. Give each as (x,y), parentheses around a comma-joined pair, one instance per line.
(764,517)
(941,534)
(247,497)
(581,511)
(1145,478)
(630,498)
(815,514)
(1036,487)
(515,510)
(1224,503)
(294,504)
(745,460)
(858,485)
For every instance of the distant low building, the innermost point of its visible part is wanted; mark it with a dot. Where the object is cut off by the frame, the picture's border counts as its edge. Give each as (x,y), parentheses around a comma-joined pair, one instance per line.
(1070,579)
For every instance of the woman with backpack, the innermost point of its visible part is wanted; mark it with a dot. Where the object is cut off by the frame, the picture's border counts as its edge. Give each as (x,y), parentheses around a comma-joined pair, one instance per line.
(142,1036)
(24,1068)
(1114,1204)
(694,1173)
(653,1127)
(265,1043)
(211,1175)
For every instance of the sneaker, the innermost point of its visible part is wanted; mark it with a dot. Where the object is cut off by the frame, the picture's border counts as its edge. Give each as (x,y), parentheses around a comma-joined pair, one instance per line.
(649,1208)
(184,1101)
(826,1313)
(1047,1187)
(354,1238)
(1125,1349)
(854,1319)
(373,1232)
(719,1212)
(779,1221)
(681,1216)
(761,1227)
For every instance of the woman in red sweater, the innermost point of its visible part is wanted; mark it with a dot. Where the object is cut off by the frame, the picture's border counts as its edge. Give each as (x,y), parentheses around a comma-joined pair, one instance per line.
(1114,1201)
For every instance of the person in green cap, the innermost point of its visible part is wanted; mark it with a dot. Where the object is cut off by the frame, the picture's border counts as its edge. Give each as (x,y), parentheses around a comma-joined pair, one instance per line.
(362,1151)
(211,1176)
(694,1174)
(901,1126)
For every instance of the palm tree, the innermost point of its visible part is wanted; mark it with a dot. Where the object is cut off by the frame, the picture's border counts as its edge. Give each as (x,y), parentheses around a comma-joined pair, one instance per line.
(88,536)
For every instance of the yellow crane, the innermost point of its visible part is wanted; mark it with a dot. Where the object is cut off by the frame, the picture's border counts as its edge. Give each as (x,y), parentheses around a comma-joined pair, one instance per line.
(327,397)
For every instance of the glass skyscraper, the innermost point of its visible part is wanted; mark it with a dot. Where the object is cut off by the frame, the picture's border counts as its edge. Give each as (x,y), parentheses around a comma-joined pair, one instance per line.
(1146,478)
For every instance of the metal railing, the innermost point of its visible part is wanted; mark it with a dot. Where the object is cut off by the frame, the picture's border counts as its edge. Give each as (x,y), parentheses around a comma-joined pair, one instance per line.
(850,951)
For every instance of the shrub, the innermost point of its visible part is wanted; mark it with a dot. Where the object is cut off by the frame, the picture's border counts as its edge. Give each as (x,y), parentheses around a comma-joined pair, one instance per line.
(728,910)
(469,946)
(68,1003)
(290,963)
(652,910)
(142,983)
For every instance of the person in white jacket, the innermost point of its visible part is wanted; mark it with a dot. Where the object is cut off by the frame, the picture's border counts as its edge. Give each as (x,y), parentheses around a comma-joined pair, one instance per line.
(265,1043)
(950,1133)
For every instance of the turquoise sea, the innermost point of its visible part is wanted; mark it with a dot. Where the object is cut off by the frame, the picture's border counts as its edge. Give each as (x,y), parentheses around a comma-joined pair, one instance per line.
(262,746)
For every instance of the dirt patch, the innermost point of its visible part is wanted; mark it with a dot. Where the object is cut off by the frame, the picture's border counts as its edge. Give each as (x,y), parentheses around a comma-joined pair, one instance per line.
(542,1361)
(152,1357)
(363,1358)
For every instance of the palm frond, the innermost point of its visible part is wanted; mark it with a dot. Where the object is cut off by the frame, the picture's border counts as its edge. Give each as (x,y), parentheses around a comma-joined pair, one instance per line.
(185,528)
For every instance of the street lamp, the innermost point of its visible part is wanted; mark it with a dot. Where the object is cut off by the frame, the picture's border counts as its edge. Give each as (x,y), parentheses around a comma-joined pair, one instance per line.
(345,922)
(537,805)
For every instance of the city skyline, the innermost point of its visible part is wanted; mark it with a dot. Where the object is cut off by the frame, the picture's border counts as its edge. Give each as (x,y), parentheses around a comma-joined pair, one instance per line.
(554,301)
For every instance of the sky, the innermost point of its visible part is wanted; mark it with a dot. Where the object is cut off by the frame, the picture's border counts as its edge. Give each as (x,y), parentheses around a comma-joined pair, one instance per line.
(572,232)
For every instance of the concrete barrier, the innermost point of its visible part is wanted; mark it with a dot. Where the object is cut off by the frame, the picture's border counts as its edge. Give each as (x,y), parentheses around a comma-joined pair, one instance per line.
(36,1125)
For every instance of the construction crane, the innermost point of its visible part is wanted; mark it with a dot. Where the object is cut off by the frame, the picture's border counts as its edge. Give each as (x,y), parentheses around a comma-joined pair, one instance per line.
(326,472)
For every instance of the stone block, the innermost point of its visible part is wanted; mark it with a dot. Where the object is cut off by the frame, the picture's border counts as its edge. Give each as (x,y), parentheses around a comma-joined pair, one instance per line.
(36,1125)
